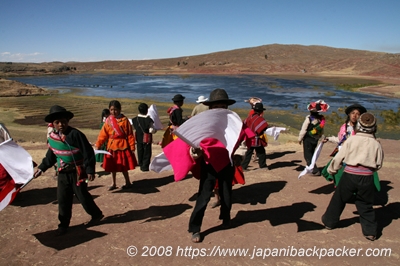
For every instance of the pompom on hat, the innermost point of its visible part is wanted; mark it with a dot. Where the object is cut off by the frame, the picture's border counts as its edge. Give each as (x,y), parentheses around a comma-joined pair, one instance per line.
(318,106)
(201,99)
(219,96)
(366,123)
(357,106)
(57,112)
(253,100)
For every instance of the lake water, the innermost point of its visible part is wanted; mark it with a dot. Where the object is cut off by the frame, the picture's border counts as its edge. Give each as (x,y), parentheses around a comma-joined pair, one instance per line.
(276,93)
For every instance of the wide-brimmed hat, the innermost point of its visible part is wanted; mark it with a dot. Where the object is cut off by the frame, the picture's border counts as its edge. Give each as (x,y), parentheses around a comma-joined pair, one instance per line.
(57,112)
(201,99)
(259,107)
(318,106)
(219,95)
(178,98)
(357,106)
(366,123)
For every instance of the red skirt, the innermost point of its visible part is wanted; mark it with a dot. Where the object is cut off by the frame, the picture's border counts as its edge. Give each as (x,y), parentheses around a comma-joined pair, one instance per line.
(120,161)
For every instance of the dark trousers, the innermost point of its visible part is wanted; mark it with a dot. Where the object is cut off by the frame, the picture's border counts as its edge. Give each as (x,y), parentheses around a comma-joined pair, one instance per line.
(309,146)
(208,179)
(260,152)
(65,192)
(144,155)
(363,188)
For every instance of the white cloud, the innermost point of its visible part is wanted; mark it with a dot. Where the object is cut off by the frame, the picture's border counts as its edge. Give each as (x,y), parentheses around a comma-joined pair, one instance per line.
(20,57)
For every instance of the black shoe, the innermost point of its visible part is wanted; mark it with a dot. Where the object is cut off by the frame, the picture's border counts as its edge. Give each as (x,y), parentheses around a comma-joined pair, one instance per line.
(94,221)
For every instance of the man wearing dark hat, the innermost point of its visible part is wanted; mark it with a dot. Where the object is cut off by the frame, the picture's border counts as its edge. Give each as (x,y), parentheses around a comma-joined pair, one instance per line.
(258,125)
(143,125)
(70,149)
(362,155)
(175,112)
(175,119)
(209,176)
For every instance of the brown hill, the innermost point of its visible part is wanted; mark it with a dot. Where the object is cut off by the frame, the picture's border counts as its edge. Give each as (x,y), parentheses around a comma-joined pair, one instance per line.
(266,59)
(11,88)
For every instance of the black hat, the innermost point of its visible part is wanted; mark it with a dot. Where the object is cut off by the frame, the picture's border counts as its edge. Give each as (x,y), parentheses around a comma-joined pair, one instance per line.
(357,106)
(259,107)
(178,98)
(57,112)
(218,95)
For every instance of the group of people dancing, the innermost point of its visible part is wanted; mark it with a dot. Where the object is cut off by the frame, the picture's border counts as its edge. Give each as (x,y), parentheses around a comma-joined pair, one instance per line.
(358,158)
(354,164)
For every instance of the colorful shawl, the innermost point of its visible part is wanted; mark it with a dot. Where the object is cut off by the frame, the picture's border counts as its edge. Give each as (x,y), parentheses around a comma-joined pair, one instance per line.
(66,154)
(118,132)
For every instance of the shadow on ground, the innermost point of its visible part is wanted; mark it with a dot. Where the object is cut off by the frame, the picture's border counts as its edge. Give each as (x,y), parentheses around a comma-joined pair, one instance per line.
(75,236)
(152,213)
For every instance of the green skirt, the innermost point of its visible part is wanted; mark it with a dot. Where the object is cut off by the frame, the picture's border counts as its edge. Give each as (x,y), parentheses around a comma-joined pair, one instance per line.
(336,178)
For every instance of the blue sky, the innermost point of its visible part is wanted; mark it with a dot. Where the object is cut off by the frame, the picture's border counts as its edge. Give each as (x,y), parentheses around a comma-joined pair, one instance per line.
(95,30)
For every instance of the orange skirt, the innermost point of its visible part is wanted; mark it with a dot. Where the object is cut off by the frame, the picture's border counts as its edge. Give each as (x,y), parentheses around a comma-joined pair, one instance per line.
(120,161)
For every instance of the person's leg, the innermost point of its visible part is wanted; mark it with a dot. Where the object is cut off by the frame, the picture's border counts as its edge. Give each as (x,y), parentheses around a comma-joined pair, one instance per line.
(146,157)
(217,198)
(364,203)
(247,158)
(206,186)
(140,151)
(262,157)
(114,181)
(225,177)
(127,179)
(86,200)
(65,195)
(343,193)
(308,148)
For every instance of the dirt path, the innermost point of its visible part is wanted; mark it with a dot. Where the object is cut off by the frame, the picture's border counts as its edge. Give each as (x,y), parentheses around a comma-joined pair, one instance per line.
(272,210)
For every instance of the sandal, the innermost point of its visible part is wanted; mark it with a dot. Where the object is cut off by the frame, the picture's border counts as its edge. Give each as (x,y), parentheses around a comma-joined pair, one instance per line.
(126,186)
(370,238)
(196,237)
(112,188)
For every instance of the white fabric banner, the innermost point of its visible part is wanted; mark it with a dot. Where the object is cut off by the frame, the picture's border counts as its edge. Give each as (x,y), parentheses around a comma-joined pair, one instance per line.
(153,113)
(17,161)
(160,163)
(102,152)
(221,124)
(274,131)
(310,167)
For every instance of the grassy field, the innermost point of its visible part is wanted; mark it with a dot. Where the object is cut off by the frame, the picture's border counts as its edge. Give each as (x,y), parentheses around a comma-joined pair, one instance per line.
(24,116)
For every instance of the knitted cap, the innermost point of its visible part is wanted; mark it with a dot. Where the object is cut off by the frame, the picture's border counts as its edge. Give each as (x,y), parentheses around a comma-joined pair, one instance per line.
(366,123)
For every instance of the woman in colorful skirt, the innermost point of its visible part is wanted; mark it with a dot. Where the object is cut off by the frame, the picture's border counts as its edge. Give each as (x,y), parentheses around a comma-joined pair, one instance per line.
(118,131)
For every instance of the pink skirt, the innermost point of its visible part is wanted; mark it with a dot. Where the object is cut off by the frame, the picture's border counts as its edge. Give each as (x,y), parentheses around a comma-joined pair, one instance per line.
(120,161)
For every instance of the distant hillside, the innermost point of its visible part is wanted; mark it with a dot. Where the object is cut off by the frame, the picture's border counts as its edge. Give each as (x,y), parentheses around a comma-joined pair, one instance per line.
(266,59)
(11,88)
